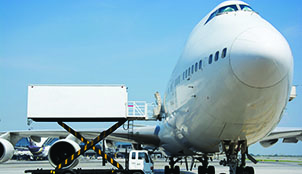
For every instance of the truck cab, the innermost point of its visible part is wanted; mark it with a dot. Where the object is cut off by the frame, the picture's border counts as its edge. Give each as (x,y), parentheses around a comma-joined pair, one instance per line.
(140,160)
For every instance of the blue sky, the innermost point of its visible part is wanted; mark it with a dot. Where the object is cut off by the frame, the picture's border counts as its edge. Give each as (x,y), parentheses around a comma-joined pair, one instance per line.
(136,43)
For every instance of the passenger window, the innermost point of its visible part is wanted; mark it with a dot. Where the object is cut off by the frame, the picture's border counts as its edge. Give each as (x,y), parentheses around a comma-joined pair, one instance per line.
(196,66)
(216,56)
(186,73)
(192,69)
(223,54)
(200,64)
(183,75)
(210,59)
(189,71)
(133,155)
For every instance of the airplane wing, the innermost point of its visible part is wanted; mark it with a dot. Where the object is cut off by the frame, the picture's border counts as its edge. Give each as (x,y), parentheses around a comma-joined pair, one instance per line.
(139,135)
(289,135)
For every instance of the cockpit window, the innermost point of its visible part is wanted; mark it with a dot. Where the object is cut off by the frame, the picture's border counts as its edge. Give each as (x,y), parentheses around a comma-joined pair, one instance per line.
(245,8)
(225,9)
(211,16)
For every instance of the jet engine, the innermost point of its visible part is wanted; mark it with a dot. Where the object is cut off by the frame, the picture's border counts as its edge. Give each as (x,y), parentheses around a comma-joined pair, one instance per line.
(61,150)
(6,150)
(268,143)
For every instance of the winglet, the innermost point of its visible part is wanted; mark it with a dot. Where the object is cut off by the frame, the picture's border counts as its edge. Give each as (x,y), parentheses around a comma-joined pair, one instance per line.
(293,93)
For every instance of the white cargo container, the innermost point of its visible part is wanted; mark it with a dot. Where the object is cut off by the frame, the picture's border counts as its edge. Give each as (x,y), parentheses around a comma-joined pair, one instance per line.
(77,102)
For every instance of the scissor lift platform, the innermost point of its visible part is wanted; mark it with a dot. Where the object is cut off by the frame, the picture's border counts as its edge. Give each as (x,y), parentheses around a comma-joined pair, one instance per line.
(83,103)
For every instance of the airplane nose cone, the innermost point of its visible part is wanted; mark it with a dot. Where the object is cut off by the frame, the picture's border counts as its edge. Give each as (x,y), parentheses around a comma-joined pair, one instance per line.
(260,57)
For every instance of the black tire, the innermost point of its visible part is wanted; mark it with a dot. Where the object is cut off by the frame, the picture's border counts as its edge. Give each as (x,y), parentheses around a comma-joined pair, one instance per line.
(239,170)
(177,170)
(250,170)
(202,170)
(138,173)
(211,170)
(68,172)
(167,170)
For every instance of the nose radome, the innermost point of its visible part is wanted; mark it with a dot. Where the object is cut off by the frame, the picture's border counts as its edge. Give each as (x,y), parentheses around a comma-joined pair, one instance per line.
(260,57)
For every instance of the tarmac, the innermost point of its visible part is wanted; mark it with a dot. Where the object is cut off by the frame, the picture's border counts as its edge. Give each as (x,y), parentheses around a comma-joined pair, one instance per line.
(18,167)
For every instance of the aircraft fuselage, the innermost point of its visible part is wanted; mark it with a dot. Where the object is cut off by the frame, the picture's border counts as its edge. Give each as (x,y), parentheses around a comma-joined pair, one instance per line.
(238,95)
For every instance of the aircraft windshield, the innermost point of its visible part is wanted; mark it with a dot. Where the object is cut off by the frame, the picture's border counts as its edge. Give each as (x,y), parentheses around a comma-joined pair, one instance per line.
(225,9)
(229,8)
(246,8)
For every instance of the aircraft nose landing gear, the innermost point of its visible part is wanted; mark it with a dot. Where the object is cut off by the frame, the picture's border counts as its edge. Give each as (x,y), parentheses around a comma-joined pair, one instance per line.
(173,169)
(205,169)
(237,166)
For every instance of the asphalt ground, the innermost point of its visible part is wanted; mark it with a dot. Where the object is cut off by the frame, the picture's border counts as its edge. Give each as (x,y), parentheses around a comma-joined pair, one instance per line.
(266,167)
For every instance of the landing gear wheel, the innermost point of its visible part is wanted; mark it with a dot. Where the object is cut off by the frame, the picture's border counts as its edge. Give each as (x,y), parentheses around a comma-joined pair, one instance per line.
(249,170)
(167,170)
(68,172)
(239,170)
(211,170)
(177,170)
(202,170)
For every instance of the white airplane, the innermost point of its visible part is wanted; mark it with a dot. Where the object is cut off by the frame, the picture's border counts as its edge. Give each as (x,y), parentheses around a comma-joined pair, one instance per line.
(227,92)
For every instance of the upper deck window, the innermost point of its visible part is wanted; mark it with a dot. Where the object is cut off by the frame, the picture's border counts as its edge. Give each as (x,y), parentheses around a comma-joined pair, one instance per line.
(222,10)
(245,8)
